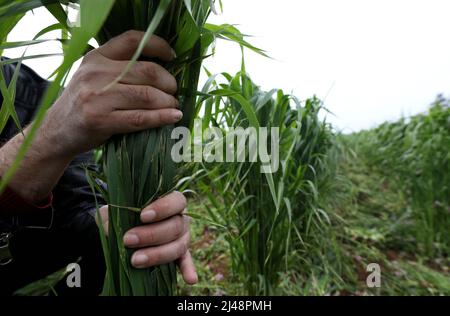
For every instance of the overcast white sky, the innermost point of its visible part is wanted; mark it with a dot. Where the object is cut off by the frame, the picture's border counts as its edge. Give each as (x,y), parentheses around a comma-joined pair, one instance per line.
(374,60)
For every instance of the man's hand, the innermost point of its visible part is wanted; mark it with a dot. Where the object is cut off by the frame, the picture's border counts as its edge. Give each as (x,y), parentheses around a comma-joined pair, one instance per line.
(164,236)
(86,115)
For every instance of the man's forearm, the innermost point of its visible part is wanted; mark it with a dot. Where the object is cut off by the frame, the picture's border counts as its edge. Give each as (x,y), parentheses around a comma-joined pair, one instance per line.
(40,170)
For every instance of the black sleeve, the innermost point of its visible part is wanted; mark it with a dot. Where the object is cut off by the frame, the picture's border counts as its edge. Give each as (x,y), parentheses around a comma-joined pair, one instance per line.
(73,194)
(30,89)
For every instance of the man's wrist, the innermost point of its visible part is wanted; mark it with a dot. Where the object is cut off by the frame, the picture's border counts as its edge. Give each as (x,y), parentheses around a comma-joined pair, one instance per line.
(38,173)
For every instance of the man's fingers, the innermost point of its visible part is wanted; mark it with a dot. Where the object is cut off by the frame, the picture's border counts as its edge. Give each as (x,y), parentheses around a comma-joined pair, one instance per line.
(138,120)
(125,45)
(168,206)
(149,74)
(157,233)
(155,256)
(131,97)
(187,268)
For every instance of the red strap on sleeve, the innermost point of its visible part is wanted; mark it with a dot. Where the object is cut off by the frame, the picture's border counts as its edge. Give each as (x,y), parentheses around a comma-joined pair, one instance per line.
(13,204)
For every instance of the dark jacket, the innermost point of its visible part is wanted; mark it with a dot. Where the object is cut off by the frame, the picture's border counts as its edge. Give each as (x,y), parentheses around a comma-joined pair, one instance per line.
(70,232)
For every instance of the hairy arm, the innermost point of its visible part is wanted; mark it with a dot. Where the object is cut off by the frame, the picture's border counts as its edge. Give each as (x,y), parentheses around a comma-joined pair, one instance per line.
(41,169)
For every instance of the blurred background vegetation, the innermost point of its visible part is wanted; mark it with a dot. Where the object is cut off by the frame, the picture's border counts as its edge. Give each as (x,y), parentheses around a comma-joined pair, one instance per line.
(377,196)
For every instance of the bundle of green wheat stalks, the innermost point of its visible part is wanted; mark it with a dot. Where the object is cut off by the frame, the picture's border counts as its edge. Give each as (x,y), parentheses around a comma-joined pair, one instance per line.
(138,167)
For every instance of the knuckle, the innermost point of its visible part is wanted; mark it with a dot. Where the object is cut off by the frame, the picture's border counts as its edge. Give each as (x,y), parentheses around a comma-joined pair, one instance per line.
(89,57)
(158,119)
(85,95)
(137,119)
(137,93)
(88,74)
(179,225)
(84,75)
(131,37)
(149,236)
(149,70)
(147,94)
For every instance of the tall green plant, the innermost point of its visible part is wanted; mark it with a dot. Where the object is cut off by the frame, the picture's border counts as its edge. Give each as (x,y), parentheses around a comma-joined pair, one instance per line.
(264,213)
(138,167)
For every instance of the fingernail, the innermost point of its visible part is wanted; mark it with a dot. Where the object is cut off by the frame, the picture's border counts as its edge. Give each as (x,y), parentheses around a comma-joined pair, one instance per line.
(139,260)
(148,216)
(131,240)
(174,53)
(177,115)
